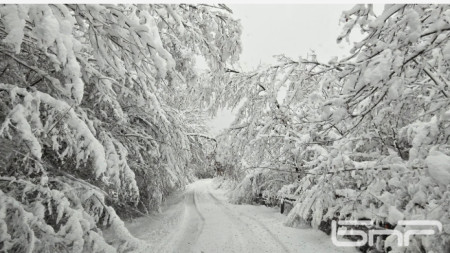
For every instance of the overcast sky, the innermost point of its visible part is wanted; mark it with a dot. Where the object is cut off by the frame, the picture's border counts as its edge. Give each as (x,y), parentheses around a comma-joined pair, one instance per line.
(293,30)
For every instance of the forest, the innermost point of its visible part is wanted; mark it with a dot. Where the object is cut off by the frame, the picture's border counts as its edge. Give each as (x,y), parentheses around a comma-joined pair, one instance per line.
(103,116)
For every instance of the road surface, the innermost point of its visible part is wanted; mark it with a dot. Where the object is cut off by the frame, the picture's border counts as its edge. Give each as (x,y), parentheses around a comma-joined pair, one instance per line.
(201,220)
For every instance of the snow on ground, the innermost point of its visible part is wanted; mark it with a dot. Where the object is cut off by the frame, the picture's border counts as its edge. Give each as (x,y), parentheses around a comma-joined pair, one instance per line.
(201,220)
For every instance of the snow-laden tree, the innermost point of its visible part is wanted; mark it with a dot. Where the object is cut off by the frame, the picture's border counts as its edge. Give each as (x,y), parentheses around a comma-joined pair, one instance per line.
(393,103)
(95,112)
(368,134)
(278,110)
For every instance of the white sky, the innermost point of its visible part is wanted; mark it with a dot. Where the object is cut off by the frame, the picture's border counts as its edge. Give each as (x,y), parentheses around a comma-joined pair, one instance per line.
(288,29)
(271,29)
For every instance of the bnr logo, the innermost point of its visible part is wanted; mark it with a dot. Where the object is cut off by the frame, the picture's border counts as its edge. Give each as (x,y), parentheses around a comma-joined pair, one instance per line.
(402,238)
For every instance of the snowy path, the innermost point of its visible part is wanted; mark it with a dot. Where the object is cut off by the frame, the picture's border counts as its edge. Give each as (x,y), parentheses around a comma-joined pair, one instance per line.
(203,221)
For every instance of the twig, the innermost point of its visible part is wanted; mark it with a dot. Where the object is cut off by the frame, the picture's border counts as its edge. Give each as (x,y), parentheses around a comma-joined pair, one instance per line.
(4,70)
(60,118)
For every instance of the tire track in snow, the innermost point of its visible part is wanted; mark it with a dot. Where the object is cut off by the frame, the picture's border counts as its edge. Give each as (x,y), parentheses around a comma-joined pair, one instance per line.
(192,226)
(194,199)
(262,225)
(202,218)
(236,241)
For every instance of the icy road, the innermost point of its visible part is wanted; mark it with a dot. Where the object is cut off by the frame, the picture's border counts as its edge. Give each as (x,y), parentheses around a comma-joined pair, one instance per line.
(201,220)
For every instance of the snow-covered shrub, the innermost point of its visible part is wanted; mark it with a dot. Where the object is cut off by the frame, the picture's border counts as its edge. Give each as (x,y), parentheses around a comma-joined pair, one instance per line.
(248,189)
(258,183)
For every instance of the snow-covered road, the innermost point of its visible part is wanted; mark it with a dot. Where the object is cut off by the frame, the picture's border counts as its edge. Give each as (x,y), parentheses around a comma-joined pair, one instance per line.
(201,220)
